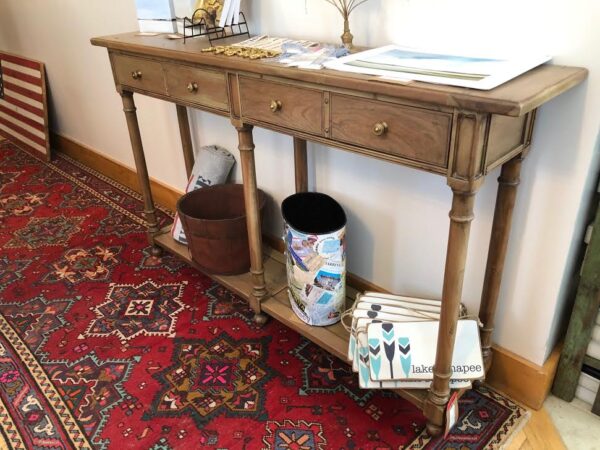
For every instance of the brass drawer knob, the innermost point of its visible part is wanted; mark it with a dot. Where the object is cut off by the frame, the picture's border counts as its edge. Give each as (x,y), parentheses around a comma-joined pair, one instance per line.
(192,87)
(275,105)
(380,128)
(136,74)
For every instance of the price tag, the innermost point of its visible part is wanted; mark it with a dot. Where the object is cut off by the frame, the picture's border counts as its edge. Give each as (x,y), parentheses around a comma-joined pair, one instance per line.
(451,413)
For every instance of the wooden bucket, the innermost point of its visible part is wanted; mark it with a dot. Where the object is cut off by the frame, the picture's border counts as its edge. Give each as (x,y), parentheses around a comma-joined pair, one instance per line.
(214,221)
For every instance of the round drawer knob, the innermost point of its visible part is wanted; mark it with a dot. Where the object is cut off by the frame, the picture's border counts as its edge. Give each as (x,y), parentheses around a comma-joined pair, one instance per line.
(380,128)
(275,105)
(136,74)
(192,87)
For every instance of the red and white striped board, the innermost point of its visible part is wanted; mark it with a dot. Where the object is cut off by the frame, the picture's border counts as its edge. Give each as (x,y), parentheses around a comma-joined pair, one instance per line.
(23,103)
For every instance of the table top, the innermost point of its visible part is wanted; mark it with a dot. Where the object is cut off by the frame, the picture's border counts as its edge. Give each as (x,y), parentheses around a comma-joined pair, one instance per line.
(513,98)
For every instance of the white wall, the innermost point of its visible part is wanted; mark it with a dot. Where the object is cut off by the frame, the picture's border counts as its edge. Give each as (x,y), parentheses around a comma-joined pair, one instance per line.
(397,216)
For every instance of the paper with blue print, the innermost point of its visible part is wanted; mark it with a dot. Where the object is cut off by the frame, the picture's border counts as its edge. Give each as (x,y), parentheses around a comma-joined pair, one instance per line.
(155,9)
(472,71)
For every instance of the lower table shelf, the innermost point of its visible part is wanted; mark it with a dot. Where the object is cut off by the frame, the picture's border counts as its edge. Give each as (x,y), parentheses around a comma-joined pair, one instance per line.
(333,338)
(275,275)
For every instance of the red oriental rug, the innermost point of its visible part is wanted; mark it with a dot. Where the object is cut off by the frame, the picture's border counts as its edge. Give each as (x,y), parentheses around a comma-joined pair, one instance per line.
(104,346)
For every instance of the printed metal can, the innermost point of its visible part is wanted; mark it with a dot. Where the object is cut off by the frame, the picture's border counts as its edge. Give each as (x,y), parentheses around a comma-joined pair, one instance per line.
(315,229)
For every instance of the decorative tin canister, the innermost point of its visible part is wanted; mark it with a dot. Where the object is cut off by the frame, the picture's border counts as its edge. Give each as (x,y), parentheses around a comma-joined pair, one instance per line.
(315,228)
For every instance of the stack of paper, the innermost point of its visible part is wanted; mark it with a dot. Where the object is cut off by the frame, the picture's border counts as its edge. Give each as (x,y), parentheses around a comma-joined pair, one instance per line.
(396,62)
(393,342)
(231,13)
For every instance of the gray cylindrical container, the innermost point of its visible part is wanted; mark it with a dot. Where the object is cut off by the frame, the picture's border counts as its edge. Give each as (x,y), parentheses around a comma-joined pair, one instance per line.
(315,229)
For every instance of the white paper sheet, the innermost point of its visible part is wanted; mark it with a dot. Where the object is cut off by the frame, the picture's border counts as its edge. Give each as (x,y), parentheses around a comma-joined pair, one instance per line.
(227,5)
(236,12)
(233,4)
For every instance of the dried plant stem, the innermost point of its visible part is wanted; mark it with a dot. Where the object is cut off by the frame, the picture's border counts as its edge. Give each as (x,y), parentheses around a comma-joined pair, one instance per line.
(354,4)
(345,7)
(337,5)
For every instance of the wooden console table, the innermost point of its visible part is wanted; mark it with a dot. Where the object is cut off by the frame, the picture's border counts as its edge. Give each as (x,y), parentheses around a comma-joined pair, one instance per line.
(458,133)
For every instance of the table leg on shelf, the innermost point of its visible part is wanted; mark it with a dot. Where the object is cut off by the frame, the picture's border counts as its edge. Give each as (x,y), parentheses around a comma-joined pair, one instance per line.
(505,202)
(141,169)
(186,138)
(259,290)
(461,216)
(300,165)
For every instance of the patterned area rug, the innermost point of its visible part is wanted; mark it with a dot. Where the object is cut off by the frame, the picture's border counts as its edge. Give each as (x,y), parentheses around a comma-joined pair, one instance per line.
(104,346)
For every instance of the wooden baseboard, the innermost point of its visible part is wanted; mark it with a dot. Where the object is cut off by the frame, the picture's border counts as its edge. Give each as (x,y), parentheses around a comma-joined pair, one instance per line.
(163,194)
(520,379)
(511,374)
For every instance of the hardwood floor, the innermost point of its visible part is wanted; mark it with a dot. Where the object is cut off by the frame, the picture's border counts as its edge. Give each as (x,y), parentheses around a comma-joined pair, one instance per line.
(538,434)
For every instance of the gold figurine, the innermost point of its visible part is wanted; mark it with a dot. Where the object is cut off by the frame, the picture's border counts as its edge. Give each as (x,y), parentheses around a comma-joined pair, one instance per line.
(210,11)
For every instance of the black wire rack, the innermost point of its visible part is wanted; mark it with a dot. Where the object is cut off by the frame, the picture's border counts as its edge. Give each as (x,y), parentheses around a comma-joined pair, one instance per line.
(197,26)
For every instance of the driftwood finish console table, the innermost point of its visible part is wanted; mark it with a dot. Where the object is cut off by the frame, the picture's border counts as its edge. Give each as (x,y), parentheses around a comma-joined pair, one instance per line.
(458,133)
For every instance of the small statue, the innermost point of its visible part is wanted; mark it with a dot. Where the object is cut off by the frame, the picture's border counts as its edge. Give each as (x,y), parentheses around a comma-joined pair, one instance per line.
(209,10)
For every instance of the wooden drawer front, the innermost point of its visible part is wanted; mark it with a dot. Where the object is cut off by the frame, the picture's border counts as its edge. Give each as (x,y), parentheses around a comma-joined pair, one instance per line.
(411,133)
(200,86)
(280,104)
(140,73)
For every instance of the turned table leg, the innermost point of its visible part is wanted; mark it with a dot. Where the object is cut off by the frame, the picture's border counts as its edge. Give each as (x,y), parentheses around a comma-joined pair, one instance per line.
(300,165)
(259,291)
(186,138)
(461,216)
(505,202)
(141,168)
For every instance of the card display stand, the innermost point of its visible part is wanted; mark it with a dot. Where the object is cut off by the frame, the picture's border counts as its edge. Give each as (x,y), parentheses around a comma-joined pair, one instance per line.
(197,26)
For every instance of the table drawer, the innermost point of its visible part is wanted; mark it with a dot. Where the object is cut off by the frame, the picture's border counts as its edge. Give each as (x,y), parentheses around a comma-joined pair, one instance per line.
(412,133)
(280,104)
(201,86)
(140,73)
